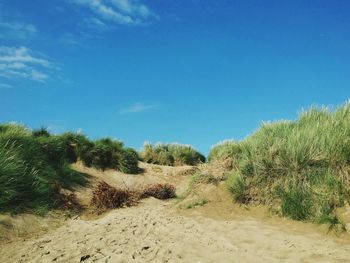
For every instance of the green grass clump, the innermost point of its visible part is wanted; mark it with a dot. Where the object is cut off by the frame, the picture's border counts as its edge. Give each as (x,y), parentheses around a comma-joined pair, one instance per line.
(296,203)
(225,150)
(107,153)
(196,203)
(238,188)
(34,165)
(129,161)
(300,166)
(171,154)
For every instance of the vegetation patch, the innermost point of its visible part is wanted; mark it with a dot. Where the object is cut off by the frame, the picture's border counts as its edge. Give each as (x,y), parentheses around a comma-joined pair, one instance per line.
(171,154)
(300,167)
(196,203)
(238,188)
(35,165)
(159,191)
(69,202)
(105,197)
(206,178)
(107,154)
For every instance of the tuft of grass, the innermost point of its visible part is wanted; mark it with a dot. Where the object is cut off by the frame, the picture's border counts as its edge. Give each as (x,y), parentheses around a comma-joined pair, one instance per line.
(196,203)
(334,223)
(171,154)
(296,203)
(238,187)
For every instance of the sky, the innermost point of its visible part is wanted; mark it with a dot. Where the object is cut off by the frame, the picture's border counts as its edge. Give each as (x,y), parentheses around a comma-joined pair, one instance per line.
(187,71)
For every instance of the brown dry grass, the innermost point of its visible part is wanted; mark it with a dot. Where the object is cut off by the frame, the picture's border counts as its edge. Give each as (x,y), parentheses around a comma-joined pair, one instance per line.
(105,196)
(69,202)
(159,191)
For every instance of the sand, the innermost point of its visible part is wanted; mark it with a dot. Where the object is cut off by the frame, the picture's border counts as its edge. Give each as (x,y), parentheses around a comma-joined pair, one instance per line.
(163,231)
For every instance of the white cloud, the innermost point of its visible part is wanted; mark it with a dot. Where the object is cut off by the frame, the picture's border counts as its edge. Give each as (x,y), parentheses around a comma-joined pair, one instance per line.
(21,62)
(137,107)
(21,55)
(127,12)
(132,7)
(39,76)
(17,30)
(97,22)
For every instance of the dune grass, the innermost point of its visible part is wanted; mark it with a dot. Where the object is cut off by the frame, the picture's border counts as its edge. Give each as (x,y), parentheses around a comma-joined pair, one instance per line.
(196,203)
(171,154)
(35,165)
(301,167)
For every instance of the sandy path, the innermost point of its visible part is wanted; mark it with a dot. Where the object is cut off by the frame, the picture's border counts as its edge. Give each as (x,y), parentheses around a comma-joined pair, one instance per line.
(155,232)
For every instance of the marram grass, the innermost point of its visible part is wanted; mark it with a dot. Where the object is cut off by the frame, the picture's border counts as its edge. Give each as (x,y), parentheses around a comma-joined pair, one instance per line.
(34,165)
(171,154)
(301,167)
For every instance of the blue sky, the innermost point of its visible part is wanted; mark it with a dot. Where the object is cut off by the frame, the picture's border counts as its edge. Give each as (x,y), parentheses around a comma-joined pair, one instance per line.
(188,71)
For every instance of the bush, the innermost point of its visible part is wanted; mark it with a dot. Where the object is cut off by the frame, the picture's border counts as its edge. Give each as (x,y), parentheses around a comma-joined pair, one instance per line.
(299,166)
(129,161)
(75,146)
(171,154)
(159,191)
(105,196)
(107,153)
(69,202)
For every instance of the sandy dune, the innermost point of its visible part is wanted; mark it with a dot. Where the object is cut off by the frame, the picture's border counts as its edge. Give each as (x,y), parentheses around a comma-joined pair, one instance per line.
(160,231)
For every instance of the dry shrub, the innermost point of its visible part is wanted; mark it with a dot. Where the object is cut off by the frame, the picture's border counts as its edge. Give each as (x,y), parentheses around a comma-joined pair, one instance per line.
(159,191)
(69,202)
(107,197)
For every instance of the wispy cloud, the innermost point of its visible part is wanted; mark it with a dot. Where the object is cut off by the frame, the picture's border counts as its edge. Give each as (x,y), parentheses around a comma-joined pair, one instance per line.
(69,39)
(21,62)
(96,23)
(138,107)
(127,12)
(17,30)
(5,86)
